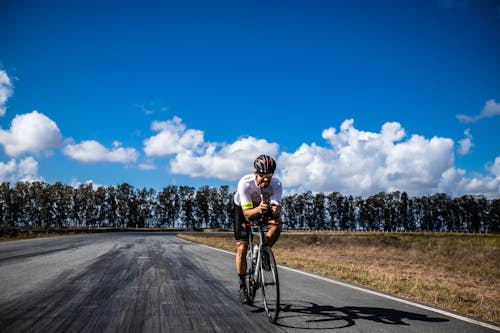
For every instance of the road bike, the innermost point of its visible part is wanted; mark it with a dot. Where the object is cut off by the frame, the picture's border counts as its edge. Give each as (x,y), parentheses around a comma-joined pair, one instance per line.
(262,272)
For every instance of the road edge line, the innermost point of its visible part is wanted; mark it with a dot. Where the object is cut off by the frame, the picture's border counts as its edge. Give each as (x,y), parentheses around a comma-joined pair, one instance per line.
(373,292)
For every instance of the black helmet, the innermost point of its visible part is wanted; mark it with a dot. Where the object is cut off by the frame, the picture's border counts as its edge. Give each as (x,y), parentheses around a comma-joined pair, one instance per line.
(264,164)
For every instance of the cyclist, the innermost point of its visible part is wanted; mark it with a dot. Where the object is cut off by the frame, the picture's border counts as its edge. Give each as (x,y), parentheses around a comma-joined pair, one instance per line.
(258,194)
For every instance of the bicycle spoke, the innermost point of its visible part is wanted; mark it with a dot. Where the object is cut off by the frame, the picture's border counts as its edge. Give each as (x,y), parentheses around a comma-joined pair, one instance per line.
(270,287)
(249,278)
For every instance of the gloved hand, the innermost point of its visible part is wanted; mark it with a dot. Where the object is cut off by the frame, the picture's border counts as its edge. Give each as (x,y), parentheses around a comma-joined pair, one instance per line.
(275,208)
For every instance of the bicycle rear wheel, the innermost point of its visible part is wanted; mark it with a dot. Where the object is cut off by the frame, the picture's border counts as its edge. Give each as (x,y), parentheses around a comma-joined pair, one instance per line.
(270,286)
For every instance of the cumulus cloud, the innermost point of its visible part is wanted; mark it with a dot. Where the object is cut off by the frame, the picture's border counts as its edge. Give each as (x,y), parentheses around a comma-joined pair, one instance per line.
(6,90)
(465,145)
(76,183)
(147,166)
(32,132)
(91,151)
(172,138)
(226,162)
(454,182)
(495,169)
(360,162)
(352,161)
(24,170)
(490,109)
(196,158)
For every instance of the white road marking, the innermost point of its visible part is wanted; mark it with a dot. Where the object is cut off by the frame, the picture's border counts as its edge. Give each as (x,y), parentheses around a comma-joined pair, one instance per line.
(404,301)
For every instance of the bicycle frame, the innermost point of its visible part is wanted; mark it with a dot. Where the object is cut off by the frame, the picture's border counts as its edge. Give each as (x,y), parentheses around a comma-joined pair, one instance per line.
(257,276)
(254,271)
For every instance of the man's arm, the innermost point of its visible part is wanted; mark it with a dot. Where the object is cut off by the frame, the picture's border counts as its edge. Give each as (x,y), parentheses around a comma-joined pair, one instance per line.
(261,209)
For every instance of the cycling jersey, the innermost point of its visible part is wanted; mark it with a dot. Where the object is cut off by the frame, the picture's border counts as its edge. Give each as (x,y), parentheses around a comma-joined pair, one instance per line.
(248,194)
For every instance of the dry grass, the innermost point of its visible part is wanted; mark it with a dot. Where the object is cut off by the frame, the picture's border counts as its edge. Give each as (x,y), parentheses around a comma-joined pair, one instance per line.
(454,271)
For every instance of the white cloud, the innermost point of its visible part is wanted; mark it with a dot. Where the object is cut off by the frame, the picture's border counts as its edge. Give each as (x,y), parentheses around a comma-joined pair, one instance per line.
(365,163)
(147,166)
(76,183)
(24,170)
(8,170)
(196,158)
(32,132)
(227,163)
(354,161)
(495,169)
(91,151)
(455,183)
(172,138)
(490,109)
(6,90)
(465,145)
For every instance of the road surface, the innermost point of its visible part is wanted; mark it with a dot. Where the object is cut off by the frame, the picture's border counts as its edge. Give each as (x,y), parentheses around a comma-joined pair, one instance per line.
(155,282)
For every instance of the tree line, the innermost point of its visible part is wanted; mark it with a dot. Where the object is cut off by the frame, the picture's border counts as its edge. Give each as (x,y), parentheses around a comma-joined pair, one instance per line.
(40,204)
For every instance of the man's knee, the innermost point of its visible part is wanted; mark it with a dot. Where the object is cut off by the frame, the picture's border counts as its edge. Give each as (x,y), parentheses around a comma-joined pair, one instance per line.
(242,247)
(273,234)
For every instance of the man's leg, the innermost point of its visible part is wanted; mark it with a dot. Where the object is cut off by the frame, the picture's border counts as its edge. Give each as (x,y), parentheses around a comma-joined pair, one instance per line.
(273,234)
(240,235)
(241,262)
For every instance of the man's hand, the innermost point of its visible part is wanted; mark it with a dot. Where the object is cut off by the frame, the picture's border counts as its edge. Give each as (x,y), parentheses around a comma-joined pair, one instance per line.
(276,209)
(264,207)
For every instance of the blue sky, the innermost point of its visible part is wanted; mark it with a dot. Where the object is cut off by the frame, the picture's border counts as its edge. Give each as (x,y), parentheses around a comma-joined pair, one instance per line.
(351,96)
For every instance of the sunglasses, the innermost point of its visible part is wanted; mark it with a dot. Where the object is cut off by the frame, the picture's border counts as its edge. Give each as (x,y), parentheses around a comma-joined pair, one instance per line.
(265,175)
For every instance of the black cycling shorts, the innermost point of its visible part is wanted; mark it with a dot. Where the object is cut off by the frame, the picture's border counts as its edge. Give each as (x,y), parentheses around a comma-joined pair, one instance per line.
(240,230)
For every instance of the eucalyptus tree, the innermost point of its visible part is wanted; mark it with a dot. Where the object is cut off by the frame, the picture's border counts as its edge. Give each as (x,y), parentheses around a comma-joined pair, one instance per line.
(368,214)
(298,211)
(144,210)
(5,205)
(227,199)
(494,216)
(133,218)
(351,213)
(42,207)
(88,208)
(23,205)
(474,211)
(187,199)
(216,206)
(332,208)
(100,204)
(468,213)
(111,207)
(441,211)
(168,205)
(342,212)
(318,211)
(77,212)
(202,211)
(290,219)
(407,221)
(125,201)
(391,210)
(62,198)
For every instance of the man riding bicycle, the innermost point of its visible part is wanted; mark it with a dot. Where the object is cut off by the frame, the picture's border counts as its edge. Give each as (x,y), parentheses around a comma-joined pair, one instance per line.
(258,194)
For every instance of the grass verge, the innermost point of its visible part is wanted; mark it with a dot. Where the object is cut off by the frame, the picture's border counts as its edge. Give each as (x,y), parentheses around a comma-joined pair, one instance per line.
(459,272)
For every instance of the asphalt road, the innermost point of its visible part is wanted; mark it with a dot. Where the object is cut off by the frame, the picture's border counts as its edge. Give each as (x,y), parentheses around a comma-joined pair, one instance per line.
(155,282)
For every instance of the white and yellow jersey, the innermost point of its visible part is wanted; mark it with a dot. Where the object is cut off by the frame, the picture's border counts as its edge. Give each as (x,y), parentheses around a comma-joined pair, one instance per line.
(248,194)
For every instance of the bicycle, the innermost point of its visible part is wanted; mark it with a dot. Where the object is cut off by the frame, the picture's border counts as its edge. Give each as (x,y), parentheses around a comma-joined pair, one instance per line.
(260,277)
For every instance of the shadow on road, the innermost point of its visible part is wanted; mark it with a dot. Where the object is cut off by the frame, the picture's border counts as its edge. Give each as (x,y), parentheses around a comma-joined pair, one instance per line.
(308,315)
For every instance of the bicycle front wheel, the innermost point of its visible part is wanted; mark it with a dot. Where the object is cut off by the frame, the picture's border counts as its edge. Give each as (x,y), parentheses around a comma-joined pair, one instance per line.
(251,283)
(270,285)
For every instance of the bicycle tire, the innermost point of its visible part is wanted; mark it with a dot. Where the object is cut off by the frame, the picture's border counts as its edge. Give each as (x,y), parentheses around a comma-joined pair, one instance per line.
(270,287)
(251,284)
